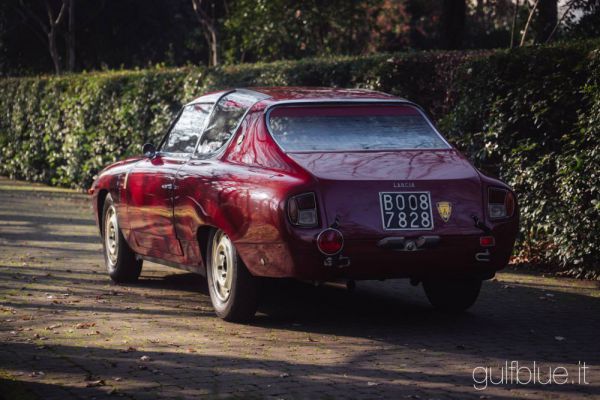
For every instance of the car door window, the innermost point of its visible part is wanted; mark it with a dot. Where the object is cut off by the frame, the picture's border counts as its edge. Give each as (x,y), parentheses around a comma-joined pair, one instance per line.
(185,133)
(226,117)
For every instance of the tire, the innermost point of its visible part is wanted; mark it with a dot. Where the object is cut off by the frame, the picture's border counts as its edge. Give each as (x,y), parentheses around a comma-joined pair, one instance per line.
(452,295)
(233,290)
(120,260)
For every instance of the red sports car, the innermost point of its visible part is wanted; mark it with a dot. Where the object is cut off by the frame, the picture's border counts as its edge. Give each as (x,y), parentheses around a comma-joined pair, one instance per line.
(315,184)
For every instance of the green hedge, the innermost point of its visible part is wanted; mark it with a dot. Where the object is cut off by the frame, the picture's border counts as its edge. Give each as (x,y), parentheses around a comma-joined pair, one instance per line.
(529,116)
(532,118)
(62,130)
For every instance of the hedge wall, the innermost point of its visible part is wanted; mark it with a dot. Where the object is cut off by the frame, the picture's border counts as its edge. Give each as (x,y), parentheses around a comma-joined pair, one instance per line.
(532,117)
(529,116)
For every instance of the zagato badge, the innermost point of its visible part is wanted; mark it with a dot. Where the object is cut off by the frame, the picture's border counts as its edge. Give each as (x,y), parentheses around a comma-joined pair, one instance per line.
(445,210)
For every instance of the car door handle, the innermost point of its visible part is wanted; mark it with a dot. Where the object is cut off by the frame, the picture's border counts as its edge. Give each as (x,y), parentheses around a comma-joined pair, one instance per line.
(168,186)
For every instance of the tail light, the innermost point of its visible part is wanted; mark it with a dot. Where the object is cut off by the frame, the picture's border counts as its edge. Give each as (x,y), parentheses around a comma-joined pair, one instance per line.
(487,241)
(501,203)
(330,241)
(302,210)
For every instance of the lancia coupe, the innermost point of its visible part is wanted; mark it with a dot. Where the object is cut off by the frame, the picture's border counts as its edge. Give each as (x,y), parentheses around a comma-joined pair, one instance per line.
(315,184)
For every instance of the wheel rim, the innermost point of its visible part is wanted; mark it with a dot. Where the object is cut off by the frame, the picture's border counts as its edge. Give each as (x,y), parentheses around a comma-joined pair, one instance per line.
(221,266)
(111,236)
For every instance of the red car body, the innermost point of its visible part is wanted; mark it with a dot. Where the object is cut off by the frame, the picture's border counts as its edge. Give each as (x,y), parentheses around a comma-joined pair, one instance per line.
(167,205)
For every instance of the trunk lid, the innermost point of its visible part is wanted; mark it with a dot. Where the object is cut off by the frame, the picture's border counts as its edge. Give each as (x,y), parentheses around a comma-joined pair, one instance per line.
(351,183)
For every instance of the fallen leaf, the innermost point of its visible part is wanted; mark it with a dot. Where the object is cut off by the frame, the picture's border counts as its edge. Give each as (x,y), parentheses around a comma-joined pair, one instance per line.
(85,325)
(97,383)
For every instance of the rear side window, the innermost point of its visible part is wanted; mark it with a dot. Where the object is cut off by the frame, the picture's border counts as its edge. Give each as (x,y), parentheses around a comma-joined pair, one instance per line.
(352,128)
(225,119)
(186,131)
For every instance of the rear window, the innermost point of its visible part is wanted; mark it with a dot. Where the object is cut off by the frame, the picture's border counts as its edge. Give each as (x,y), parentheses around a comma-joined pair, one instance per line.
(352,127)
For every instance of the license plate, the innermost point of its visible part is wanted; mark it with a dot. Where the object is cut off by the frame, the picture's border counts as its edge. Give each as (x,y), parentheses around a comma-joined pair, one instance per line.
(406,211)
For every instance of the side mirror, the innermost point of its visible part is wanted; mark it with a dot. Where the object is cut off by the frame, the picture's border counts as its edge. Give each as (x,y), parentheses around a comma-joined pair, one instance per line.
(149,150)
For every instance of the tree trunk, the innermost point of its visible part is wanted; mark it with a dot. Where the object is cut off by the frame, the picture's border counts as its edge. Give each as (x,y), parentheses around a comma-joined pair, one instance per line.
(210,32)
(546,19)
(54,50)
(453,23)
(514,24)
(214,46)
(71,38)
(526,29)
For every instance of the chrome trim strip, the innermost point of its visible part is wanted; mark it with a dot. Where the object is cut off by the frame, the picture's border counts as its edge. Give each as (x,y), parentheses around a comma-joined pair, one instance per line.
(225,146)
(225,93)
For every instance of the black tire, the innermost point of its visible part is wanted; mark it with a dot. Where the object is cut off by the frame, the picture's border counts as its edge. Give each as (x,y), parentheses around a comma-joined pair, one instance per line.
(452,295)
(120,260)
(233,290)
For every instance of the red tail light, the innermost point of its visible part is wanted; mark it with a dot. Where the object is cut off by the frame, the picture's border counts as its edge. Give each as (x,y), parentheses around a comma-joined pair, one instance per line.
(302,210)
(330,241)
(487,241)
(501,203)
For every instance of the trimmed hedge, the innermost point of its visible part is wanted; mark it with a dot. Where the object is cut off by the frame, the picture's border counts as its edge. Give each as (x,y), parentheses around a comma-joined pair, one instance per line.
(530,116)
(63,130)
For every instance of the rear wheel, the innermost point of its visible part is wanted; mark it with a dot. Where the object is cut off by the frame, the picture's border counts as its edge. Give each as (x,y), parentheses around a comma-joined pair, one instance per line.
(233,290)
(452,295)
(120,260)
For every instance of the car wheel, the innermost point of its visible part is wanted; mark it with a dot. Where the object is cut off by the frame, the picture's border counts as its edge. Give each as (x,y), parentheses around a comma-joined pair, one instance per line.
(452,295)
(120,260)
(233,290)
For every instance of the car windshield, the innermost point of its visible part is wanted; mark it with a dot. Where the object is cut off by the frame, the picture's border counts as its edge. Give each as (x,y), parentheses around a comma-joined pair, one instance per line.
(352,128)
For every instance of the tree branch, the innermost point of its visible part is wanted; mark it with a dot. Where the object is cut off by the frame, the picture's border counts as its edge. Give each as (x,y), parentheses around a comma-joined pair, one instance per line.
(528,22)
(571,4)
(24,9)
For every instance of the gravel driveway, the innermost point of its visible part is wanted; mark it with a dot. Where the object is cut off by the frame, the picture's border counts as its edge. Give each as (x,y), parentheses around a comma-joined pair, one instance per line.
(67,332)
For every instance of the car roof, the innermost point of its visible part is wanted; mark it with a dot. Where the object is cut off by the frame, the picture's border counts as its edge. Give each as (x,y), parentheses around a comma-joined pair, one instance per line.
(279,94)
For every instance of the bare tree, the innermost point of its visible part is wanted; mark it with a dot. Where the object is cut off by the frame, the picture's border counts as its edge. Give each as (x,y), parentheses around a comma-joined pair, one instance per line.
(50,27)
(209,30)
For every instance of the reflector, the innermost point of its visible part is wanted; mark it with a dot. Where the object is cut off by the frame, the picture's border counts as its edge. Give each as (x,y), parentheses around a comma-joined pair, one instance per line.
(330,241)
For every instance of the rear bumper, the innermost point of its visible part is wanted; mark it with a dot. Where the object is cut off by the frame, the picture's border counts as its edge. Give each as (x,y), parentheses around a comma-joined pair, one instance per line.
(365,259)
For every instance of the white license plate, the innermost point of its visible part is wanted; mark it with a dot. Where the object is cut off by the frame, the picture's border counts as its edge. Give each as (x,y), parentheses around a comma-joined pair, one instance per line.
(406,211)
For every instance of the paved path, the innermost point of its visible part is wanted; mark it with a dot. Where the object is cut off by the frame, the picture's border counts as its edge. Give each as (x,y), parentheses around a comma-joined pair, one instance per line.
(66,332)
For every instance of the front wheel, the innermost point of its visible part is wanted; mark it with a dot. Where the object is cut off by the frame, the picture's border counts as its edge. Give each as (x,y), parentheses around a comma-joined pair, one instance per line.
(452,295)
(120,260)
(233,290)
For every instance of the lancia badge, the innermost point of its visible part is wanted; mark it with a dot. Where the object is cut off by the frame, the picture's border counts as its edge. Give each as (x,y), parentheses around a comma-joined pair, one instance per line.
(445,210)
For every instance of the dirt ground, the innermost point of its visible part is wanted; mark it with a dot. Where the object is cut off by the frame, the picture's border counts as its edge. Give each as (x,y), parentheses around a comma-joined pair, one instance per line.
(67,332)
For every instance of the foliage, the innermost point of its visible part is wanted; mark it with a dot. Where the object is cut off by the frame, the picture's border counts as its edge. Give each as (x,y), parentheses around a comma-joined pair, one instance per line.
(529,116)
(144,33)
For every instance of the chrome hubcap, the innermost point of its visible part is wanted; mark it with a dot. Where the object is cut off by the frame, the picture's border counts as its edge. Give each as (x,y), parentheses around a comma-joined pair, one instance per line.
(111,235)
(221,266)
